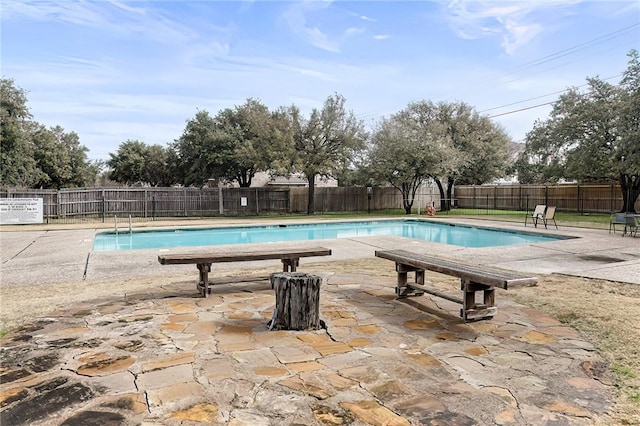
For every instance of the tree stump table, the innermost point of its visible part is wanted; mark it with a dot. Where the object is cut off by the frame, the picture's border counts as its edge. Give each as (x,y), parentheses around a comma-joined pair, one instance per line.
(297,301)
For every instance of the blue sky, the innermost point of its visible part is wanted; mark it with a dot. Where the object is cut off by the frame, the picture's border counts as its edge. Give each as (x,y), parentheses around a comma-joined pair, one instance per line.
(118,70)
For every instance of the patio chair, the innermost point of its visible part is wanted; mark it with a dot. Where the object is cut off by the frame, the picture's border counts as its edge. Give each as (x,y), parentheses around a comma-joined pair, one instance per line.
(549,215)
(631,226)
(538,214)
(618,219)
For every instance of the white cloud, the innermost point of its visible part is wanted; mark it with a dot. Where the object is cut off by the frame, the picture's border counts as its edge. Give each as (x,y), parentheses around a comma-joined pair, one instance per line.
(381,36)
(517,35)
(296,18)
(354,31)
(109,17)
(328,38)
(516,23)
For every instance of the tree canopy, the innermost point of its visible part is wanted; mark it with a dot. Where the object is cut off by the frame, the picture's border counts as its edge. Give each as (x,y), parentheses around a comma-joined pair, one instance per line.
(447,142)
(18,166)
(478,149)
(257,140)
(406,149)
(32,155)
(135,162)
(591,136)
(325,141)
(235,144)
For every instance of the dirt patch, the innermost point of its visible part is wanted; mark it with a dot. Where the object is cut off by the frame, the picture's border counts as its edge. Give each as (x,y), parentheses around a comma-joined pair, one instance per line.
(605,313)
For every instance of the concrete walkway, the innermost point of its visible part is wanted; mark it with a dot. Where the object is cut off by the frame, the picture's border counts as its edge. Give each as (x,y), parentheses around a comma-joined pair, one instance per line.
(165,356)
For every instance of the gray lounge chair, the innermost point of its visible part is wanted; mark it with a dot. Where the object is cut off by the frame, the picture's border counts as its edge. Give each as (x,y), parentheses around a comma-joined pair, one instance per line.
(631,226)
(549,215)
(618,219)
(538,214)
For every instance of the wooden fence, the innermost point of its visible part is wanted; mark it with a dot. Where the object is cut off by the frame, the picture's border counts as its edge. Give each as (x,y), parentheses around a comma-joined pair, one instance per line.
(71,205)
(346,199)
(587,198)
(145,203)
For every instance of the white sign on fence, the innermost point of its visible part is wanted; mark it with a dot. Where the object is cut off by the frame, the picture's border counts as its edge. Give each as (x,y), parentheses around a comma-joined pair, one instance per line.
(20,210)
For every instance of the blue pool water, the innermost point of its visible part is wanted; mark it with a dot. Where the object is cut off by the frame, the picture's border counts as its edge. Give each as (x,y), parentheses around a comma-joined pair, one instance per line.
(459,235)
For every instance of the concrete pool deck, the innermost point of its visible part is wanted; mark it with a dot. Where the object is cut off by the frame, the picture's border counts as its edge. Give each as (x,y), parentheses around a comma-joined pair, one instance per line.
(165,356)
(591,253)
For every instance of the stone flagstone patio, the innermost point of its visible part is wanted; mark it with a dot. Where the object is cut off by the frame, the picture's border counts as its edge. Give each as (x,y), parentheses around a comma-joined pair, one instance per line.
(169,357)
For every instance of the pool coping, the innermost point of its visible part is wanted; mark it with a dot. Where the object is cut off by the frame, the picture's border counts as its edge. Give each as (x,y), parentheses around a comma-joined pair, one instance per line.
(68,256)
(244,227)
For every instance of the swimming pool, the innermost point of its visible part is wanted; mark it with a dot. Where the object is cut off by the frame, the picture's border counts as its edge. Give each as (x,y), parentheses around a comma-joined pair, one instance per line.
(459,235)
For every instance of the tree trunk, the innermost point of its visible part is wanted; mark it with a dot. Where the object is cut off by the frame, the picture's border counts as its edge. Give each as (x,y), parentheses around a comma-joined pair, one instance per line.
(630,187)
(450,182)
(443,204)
(407,201)
(244,178)
(312,193)
(297,301)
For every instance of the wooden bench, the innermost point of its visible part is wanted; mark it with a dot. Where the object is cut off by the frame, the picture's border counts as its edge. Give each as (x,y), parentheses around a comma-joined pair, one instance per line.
(290,260)
(473,279)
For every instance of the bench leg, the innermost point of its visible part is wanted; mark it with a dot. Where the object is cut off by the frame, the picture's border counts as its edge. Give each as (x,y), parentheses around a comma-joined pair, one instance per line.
(489,297)
(290,265)
(203,281)
(472,310)
(402,289)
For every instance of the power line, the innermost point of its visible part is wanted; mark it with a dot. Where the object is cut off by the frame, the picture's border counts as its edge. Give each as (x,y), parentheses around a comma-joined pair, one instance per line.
(553,56)
(521,109)
(542,96)
(537,97)
(572,49)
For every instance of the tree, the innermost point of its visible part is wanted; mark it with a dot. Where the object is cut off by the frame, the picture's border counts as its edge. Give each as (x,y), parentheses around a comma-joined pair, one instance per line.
(590,137)
(257,140)
(17,164)
(62,159)
(325,141)
(235,144)
(447,142)
(542,160)
(628,148)
(35,156)
(137,162)
(477,145)
(200,153)
(127,164)
(51,157)
(158,165)
(405,150)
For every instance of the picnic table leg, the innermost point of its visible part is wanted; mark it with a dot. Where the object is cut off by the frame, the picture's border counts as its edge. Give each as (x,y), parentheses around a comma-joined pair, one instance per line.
(203,282)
